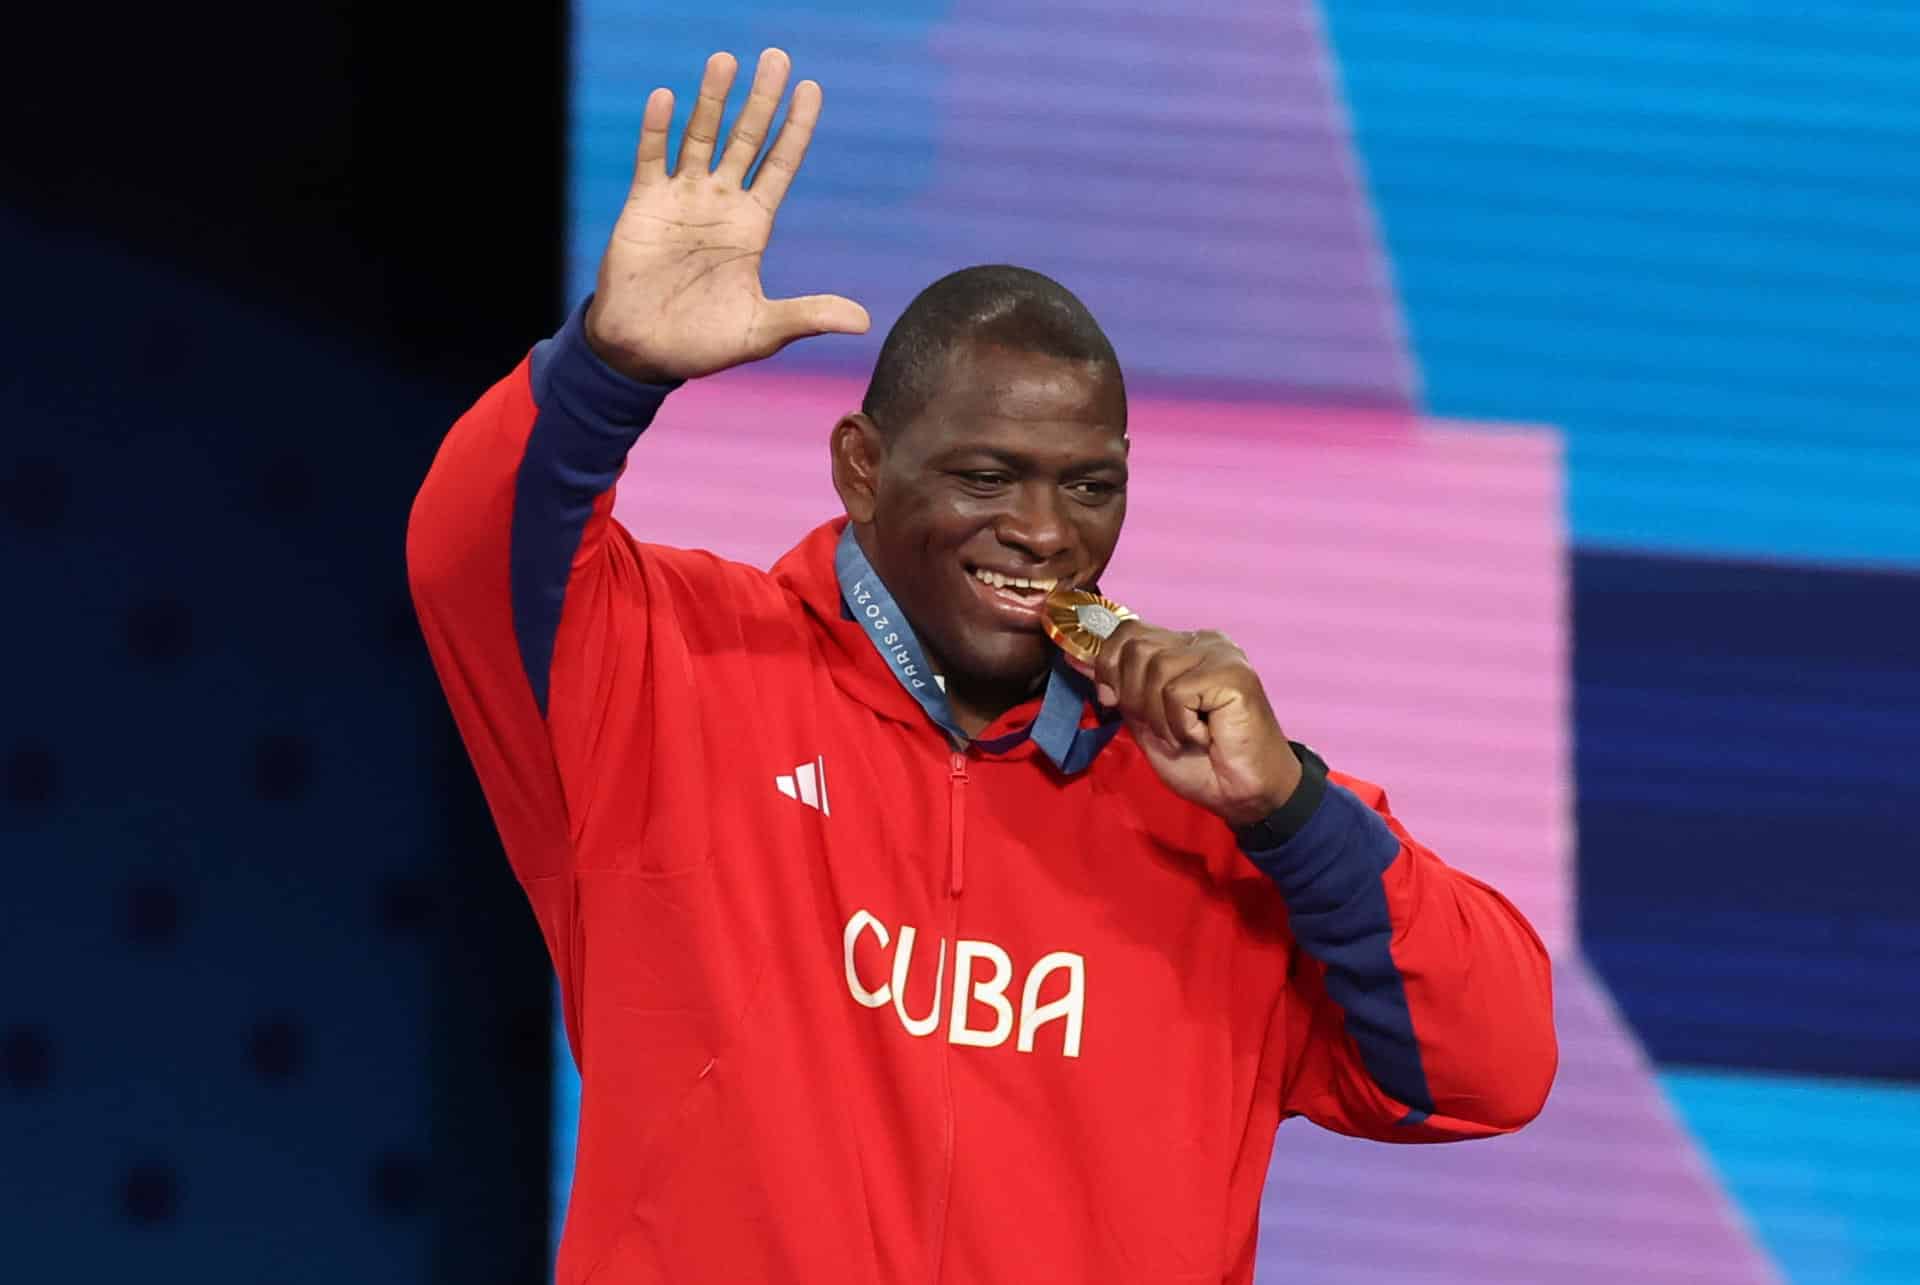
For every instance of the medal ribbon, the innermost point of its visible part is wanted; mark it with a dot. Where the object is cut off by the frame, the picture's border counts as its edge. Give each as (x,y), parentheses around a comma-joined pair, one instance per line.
(1056,730)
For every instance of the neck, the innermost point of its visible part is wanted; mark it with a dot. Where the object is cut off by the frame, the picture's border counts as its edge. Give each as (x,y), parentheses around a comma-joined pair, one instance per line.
(976,706)
(975,703)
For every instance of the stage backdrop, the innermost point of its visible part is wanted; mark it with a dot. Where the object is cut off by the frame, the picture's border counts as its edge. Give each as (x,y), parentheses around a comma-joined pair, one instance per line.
(1519,320)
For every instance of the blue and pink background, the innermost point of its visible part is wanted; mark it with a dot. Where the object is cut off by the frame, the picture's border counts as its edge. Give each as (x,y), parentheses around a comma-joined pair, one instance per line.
(1531,389)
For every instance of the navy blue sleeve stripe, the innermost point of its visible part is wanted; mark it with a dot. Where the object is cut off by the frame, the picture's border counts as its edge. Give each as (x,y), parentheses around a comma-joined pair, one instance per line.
(1329,875)
(588,417)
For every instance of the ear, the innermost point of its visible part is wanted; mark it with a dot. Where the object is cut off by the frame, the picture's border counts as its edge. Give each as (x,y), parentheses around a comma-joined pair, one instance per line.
(858,449)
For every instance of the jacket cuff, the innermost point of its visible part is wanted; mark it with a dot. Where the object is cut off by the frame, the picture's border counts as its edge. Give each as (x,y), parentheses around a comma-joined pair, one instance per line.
(569,376)
(1292,817)
(1335,859)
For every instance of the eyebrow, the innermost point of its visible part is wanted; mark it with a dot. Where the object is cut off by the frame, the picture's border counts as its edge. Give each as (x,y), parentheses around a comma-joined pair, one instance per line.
(1021,462)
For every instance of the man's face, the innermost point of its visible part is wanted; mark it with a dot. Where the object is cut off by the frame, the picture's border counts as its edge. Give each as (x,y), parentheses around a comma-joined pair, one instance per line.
(1016,470)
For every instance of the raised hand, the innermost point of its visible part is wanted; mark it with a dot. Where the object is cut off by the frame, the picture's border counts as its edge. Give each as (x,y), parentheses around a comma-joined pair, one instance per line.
(679,286)
(1200,713)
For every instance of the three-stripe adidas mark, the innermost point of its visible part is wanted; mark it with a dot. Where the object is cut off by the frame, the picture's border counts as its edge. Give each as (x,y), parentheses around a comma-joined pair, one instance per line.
(808,784)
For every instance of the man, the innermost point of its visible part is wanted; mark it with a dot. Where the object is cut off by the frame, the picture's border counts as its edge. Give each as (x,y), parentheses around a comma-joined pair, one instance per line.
(892,947)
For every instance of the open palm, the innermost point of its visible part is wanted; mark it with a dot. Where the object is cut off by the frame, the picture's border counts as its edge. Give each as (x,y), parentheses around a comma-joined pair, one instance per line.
(679,291)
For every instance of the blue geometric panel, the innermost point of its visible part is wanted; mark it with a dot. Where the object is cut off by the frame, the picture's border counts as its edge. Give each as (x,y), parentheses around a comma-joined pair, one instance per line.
(1747,800)
(1823,1169)
(1680,230)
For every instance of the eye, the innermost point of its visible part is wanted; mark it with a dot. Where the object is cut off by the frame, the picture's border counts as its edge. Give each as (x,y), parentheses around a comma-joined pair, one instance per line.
(1093,491)
(983,479)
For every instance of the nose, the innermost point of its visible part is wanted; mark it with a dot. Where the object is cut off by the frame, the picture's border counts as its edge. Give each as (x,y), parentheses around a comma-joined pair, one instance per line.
(1037,524)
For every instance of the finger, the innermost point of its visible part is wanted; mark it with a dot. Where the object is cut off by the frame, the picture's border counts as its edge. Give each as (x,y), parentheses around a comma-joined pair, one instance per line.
(650,163)
(1137,699)
(1147,738)
(1181,701)
(756,118)
(1106,664)
(1177,720)
(1150,699)
(696,147)
(815,314)
(776,173)
(1215,641)
(1106,670)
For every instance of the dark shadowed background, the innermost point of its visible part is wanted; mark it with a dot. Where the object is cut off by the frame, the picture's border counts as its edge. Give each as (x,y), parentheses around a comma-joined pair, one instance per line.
(270,1005)
(271,1008)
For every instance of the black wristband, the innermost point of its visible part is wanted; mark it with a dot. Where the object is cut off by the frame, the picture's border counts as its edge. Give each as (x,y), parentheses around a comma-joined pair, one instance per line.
(1292,816)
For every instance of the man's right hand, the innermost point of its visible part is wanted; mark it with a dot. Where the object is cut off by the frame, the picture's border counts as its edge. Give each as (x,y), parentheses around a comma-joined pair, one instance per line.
(679,287)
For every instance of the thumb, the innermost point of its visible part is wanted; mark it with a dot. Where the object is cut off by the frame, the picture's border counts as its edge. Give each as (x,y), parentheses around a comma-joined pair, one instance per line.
(814,314)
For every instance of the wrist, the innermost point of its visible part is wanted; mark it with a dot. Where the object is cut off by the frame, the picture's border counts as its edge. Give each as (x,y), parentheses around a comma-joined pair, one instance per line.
(1277,816)
(616,357)
(569,377)
(1261,807)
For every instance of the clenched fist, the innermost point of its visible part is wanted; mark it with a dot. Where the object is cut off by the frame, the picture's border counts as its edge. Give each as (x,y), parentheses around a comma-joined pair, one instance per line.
(1199,712)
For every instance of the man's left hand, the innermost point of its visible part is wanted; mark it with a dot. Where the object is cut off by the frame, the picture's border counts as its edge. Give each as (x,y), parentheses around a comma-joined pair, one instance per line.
(1198,710)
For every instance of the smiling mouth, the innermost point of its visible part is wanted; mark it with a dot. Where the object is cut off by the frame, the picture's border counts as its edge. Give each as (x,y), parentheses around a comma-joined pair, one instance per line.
(1023,587)
(1017,600)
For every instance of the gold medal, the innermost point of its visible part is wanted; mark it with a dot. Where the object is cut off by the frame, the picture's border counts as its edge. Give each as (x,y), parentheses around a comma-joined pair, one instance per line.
(1080,621)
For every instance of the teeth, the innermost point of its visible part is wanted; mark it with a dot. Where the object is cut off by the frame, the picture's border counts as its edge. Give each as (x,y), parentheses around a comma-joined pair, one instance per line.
(999,581)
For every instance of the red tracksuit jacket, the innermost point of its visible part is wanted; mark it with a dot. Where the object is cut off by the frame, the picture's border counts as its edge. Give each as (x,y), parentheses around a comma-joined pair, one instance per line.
(851,1006)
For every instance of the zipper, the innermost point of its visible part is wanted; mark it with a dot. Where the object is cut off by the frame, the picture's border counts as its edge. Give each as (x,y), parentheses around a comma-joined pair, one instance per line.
(956,880)
(956,864)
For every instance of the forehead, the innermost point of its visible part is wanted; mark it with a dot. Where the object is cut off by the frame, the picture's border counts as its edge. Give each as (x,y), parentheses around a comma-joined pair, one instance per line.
(991,395)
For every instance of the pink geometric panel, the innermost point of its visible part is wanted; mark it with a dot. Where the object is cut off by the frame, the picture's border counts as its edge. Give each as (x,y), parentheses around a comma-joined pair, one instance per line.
(1194,179)
(1393,581)
(1185,168)
(1401,586)
(1605,1187)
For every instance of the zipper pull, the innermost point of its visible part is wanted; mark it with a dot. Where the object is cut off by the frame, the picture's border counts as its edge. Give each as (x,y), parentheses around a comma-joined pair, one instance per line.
(956,864)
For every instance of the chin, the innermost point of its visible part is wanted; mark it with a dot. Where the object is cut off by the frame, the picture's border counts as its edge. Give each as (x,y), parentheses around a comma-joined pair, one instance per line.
(1009,660)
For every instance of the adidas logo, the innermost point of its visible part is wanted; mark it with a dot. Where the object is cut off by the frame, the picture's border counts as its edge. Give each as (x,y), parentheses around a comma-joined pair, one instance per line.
(808,784)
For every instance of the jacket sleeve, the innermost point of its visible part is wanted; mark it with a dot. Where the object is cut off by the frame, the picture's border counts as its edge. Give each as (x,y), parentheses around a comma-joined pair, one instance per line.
(1424,1005)
(529,595)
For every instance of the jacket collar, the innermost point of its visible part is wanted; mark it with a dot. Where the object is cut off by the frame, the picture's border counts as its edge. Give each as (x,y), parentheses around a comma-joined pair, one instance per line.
(1066,726)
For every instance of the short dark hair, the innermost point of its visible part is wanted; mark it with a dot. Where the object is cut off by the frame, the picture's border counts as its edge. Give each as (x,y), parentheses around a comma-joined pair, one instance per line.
(994,303)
